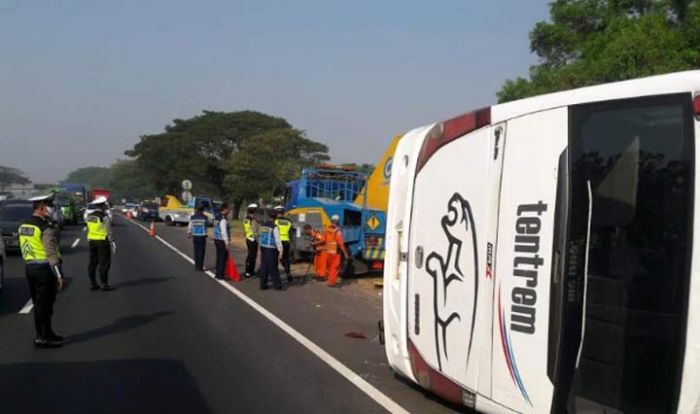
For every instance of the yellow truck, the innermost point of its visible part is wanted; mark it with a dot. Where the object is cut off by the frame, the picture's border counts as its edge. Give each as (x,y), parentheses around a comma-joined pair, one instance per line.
(174,212)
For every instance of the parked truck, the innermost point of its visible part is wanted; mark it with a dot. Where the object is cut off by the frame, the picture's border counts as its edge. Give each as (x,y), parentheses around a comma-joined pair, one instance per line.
(172,211)
(358,199)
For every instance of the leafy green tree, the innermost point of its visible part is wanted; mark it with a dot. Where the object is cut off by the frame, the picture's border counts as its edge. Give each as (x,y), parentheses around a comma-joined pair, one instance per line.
(92,177)
(9,176)
(589,42)
(199,149)
(267,161)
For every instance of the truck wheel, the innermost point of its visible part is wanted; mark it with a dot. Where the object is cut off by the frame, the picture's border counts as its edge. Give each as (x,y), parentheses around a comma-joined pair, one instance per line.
(168,221)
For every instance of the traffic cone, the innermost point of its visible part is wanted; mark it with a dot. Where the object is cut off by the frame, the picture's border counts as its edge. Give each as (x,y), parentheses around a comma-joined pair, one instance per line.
(231,271)
(152,230)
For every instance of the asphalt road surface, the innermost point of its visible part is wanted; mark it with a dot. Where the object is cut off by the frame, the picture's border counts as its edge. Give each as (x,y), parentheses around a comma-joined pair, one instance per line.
(173,340)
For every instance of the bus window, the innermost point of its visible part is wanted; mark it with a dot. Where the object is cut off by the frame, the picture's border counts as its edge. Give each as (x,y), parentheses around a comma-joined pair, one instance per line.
(638,157)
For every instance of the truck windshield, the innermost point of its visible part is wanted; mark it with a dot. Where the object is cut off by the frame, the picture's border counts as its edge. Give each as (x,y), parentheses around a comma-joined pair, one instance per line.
(638,156)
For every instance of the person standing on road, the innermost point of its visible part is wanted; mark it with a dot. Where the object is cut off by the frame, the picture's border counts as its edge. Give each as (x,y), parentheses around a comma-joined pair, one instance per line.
(222,238)
(318,245)
(197,231)
(42,264)
(101,244)
(270,248)
(250,228)
(285,227)
(334,242)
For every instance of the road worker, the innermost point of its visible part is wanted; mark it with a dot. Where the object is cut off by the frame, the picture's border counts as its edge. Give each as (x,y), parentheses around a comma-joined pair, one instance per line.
(333,247)
(42,265)
(101,244)
(250,228)
(285,227)
(197,231)
(222,239)
(318,246)
(270,248)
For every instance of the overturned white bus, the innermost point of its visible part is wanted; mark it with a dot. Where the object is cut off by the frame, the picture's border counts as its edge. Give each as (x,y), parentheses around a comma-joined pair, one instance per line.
(540,253)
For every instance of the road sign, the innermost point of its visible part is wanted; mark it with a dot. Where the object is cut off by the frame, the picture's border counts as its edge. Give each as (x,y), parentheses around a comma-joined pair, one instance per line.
(186,196)
(187,185)
(373,222)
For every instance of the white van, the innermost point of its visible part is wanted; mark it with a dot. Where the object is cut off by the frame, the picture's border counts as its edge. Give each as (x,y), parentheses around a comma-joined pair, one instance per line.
(540,253)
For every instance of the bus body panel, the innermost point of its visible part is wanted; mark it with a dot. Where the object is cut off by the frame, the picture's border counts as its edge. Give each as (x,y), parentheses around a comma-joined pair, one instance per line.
(523,260)
(447,252)
(395,269)
(538,135)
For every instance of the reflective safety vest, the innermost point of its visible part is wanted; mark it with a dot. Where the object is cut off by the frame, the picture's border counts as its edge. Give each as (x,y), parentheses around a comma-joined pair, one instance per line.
(266,237)
(33,251)
(248,228)
(217,227)
(330,236)
(96,228)
(284,226)
(199,226)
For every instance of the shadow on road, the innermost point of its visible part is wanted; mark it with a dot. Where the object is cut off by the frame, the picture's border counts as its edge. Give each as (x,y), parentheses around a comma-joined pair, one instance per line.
(143,282)
(433,397)
(118,386)
(14,296)
(122,324)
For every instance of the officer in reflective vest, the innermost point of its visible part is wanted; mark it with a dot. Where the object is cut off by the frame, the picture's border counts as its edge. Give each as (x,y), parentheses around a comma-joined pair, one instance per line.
(42,260)
(250,228)
(270,248)
(197,231)
(101,244)
(222,238)
(285,228)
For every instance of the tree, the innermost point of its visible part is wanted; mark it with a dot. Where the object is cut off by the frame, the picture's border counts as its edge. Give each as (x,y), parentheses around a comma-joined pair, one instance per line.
(9,176)
(199,149)
(92,177)
(267,161)
(589,42)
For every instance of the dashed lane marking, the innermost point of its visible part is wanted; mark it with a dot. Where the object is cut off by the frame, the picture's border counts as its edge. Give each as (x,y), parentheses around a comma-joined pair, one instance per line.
(75,243)
(27,307)
(371,391)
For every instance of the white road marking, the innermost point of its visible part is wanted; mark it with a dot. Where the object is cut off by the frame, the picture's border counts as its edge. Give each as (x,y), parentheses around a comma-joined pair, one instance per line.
(27,307)
(84,228)
(371,391)
(75,243)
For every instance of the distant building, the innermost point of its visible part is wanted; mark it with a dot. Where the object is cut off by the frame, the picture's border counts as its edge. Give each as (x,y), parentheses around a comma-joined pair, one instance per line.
(19,191)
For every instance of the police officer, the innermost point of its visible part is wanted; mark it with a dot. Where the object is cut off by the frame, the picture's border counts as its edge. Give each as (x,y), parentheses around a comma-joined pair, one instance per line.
(285,227)
(270,248)
(101,243)
(221,239)
(197,231)
(250,228)
(42,259)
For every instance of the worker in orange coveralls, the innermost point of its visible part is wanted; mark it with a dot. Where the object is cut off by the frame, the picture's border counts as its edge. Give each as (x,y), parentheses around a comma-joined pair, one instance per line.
(334,246)
(318,244)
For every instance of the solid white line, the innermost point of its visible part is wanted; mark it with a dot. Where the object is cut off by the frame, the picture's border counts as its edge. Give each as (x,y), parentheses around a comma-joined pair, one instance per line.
(75,243)
(27,307)
(379,397)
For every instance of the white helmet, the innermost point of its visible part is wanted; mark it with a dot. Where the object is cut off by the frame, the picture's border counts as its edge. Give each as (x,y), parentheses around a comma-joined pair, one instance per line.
(253,205)
(279,208)
(335,218)
(99,200)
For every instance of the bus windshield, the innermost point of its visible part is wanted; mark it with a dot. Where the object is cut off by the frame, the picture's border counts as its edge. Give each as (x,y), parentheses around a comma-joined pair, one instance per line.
(637,156)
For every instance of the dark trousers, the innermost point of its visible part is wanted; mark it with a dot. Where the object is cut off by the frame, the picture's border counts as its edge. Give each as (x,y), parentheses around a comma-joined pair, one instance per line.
(42,288)
(251,257)
(268,268)
(200,247)
(100,257)
(285,259)
(221,258)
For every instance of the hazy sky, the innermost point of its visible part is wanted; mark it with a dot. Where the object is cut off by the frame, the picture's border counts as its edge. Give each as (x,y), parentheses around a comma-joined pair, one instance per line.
(80,81)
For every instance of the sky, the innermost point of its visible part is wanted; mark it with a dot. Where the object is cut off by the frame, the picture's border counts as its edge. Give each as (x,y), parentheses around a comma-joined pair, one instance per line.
(82,80)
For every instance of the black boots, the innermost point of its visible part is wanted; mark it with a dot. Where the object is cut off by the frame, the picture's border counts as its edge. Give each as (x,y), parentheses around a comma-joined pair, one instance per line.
(46,337)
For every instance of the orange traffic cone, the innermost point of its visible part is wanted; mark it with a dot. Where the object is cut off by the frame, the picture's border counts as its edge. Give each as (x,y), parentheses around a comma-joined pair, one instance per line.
(152,230)
(231,271)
